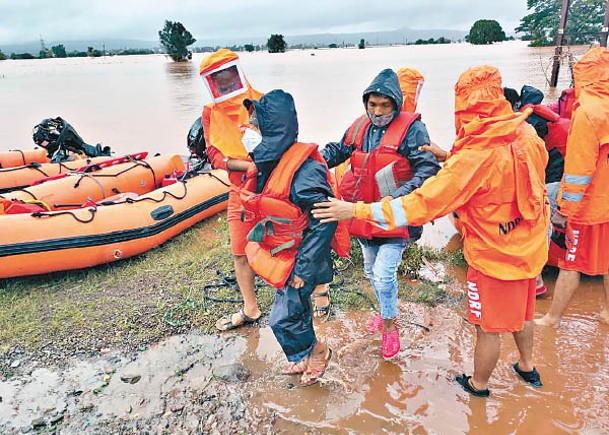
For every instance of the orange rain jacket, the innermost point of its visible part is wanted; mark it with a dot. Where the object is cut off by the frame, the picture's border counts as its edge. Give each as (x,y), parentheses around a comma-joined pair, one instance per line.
(222,121)
(494,180)
(411,83)
(585,193)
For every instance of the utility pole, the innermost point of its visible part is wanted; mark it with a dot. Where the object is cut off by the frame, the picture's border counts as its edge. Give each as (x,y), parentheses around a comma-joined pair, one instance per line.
(605,29)
(559,38)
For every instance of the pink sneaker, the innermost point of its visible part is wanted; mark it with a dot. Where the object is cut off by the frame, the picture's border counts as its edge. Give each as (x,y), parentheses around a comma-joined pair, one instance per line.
(542,289)
(376,324)
(391,344)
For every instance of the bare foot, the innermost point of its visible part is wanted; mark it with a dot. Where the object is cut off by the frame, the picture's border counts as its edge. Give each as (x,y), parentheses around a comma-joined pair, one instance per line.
(547,321)
(604,316)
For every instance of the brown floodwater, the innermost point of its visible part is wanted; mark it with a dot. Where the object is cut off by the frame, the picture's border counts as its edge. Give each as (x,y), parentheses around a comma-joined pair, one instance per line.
(148,103)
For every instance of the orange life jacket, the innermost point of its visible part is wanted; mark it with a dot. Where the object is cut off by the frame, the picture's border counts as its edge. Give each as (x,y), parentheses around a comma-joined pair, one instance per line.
(558,127)
(378,173)
(279,224)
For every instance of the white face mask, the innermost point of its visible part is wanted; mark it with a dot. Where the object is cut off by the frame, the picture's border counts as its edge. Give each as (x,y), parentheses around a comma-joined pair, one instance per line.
(251,139)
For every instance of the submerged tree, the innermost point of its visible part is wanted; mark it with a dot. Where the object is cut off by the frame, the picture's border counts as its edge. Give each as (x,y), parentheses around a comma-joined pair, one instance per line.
(485,32)
(175,39)
(276,44)
(584,21)
(59,51)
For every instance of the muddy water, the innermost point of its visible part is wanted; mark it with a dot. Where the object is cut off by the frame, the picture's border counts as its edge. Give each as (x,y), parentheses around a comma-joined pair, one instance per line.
(416,393)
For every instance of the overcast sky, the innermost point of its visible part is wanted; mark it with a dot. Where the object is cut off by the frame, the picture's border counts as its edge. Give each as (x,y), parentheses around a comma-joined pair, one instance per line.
(65,20)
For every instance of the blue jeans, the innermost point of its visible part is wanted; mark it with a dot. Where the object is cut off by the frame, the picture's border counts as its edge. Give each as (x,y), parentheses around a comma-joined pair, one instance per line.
(380,267)
(552,189)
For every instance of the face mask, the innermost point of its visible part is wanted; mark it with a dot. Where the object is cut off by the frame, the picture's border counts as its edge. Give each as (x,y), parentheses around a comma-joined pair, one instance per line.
(380,121)
(251,139)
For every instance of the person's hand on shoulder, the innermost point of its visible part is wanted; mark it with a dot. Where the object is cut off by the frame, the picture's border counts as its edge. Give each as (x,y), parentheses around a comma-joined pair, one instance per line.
(440,154)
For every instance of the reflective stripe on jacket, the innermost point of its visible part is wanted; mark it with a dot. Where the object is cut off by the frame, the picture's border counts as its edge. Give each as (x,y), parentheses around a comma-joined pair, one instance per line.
(584,196)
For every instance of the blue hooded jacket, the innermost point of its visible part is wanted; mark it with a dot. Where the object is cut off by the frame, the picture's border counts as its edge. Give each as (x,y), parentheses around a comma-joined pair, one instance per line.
(423,163)
(278,124)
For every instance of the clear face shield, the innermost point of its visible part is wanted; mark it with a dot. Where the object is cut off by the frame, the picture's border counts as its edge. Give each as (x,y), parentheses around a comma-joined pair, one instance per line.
(225,82)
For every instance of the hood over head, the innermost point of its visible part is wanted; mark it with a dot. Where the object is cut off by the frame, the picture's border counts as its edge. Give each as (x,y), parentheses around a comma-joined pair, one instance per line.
(411,83)
(385,83)
(530,95)
(278,123)
(479,94)
(592,70)
(225,79)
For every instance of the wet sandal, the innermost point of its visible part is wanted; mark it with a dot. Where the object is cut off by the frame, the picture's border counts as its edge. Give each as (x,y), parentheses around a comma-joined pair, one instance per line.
(463,380)
(295,368)
(225,323)
(315,369)
(322,311)
(531,377)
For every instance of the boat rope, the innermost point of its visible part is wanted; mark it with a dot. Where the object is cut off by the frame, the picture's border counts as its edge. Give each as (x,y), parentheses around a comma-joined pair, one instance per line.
(165,195)
(24,189)
(136,163)
(90,176)
(22,155)
(42,214)
(32,165)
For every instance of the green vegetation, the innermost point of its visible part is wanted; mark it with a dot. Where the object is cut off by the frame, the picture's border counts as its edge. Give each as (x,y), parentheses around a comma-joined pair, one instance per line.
(440,40)
(485,32)
(249,47)
(584,21)
(93,52)
(362,44)
(332,46)
(2,56)
(59,51)
(276,44)
(175,39)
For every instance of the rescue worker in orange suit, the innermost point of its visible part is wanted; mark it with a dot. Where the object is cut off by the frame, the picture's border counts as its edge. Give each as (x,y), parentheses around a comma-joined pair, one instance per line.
(494,179)
(222,120)
(382,146)
(226,142)
(583,201)
(287,247)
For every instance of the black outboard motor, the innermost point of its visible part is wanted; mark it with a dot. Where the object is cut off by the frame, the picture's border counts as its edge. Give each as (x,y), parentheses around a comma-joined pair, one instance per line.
(196,141)
(59,139)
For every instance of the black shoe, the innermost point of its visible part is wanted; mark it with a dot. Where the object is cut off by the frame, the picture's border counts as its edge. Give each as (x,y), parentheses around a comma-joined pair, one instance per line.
(463,380)
(531,377)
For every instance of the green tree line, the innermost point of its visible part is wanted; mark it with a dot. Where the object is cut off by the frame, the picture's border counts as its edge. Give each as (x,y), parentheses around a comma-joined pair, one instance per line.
(584,21)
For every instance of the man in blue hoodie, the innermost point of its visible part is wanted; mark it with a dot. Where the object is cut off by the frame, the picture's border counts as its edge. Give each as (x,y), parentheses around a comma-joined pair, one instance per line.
(385,162)
(288,247)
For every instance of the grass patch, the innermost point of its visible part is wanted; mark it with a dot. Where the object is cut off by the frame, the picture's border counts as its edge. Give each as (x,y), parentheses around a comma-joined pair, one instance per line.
(137,301)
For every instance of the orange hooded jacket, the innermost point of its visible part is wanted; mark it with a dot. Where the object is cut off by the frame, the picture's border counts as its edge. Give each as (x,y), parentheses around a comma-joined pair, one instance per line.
(584,196)
(494,180)
(411,83)
(222,121)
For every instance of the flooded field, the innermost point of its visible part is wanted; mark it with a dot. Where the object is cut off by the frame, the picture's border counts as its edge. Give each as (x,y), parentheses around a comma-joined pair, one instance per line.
(148,103)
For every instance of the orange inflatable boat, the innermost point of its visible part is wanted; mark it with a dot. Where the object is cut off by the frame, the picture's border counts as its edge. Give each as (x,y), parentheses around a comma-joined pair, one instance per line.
(12,158)
(22,176)
(75,188)
(108,231)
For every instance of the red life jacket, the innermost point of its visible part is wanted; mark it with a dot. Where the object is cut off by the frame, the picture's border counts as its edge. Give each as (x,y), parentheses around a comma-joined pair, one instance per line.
(558,127)
(566,102)
(374,175)
(16,206)
(279,224)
